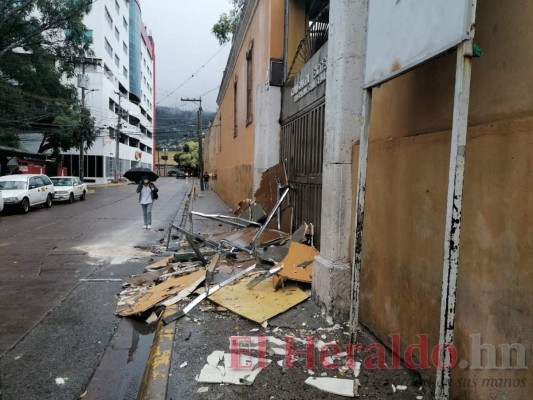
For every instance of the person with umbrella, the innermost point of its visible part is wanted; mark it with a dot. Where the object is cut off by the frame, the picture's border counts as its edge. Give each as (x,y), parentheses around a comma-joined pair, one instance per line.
(147,194)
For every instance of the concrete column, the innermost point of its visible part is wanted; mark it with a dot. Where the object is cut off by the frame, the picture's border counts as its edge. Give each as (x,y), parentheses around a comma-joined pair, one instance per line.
(343,124)
(267,130)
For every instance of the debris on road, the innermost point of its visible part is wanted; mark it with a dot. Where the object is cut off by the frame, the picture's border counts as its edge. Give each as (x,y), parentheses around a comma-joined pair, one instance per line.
(342,387)
(61,381)
(256,268)
(261,303)
(137,299)
(213,372)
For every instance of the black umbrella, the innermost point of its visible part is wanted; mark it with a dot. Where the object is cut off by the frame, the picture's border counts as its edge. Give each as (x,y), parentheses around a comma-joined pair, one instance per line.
(138,174)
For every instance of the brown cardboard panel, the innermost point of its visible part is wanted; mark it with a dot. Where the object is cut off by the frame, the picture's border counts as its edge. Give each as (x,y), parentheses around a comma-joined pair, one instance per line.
(260,303)
(266,194)
(298,264)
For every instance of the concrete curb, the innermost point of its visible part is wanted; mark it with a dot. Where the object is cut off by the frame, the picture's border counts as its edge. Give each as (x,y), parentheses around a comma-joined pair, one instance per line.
(104,185)
(154,384)
(155,379)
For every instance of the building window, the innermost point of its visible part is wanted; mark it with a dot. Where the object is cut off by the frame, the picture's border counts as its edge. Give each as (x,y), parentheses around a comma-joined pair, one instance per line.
(125,47)
(117,34)
(108,48)
(117,7)
(117,61)
(235,108)
(249,82)
(125,23)
(108,18)
(89,34)
(125,71)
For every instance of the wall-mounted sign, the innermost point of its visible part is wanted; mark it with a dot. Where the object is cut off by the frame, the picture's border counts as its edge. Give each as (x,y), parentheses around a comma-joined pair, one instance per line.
(405,33)
(310,81)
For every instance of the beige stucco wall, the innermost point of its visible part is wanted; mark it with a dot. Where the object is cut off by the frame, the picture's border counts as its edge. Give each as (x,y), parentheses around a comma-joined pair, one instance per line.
(406,203)
(234,157)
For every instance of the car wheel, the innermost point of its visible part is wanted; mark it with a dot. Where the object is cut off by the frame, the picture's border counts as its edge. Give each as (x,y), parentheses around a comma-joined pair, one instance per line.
(25,205)
(48,203)
(82,197)
(71,198)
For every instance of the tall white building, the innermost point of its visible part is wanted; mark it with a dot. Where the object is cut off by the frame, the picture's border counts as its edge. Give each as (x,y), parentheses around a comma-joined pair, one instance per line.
(120,91)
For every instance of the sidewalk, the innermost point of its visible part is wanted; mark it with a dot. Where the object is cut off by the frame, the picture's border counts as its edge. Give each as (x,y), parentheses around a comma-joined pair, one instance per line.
(208,328)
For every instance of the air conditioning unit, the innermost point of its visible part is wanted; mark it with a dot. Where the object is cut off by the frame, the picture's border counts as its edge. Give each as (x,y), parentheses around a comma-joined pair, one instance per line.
(276,72)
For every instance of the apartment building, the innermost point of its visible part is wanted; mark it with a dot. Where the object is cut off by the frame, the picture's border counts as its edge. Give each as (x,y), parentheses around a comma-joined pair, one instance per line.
(119,90)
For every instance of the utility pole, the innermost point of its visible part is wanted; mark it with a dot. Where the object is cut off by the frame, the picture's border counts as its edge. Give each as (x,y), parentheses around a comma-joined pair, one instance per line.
(200,146)
(117,139)
(82,131)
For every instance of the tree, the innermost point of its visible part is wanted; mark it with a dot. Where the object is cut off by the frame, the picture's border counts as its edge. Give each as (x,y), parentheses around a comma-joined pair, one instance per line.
(55,26)
(188,157)
(40,41)
(73,124)
(227,24)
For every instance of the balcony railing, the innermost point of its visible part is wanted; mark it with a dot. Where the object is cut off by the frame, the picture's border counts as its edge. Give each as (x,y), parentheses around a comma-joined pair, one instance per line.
(315,37)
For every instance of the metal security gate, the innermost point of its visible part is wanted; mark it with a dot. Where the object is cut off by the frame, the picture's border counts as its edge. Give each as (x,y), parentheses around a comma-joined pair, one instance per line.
(302,143)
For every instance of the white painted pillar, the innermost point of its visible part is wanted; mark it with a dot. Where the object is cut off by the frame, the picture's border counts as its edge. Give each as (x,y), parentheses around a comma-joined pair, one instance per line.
(344,119)
(267,130)
(454,208)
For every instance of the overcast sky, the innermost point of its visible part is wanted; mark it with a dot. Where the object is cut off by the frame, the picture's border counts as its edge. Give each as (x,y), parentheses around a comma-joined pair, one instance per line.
(183,43)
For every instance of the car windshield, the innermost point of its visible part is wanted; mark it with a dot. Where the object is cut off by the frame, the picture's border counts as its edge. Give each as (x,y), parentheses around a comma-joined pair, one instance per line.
(12,185)
(62,182)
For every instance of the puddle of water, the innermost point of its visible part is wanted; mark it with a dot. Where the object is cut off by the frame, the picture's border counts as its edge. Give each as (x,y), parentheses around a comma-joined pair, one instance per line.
(124,379)
(142,336)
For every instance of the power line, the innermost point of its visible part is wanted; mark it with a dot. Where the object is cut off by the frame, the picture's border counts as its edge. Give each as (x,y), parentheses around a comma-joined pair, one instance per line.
(192,76)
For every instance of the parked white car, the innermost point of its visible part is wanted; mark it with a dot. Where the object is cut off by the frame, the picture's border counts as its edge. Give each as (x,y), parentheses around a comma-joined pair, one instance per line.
(69,188)
(26,191)
(1,201)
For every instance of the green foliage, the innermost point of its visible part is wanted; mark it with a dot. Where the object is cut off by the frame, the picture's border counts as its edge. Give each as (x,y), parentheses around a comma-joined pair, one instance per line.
(188,157)
(227,24)
(73,124)
(40,41)
(175,127)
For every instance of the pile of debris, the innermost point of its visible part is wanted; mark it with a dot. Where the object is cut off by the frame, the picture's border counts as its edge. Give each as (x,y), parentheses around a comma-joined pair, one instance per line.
(257,269)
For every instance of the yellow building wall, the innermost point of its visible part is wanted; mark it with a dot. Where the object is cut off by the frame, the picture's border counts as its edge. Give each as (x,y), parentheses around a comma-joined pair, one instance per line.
(234,158)
(406,204)
(298,25)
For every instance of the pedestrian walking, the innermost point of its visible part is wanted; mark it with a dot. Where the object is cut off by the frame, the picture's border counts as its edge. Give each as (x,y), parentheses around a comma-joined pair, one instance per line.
(147,194)
(206,181)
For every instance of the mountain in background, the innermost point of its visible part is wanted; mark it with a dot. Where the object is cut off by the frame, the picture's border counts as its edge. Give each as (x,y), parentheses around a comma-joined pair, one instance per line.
(175,126)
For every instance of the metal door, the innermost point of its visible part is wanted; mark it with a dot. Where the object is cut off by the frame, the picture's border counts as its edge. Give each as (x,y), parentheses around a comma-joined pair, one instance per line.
(302,144)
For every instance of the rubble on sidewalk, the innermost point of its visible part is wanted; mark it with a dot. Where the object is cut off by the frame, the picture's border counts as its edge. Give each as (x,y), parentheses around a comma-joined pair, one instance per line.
(255,269)
(212,372)
(342,387)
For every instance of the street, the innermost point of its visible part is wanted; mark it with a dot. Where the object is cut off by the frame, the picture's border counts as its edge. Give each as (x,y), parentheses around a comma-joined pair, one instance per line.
(56,312)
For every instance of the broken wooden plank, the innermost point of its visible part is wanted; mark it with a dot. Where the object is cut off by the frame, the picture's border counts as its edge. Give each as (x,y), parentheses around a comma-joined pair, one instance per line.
(261,303)
(157,294)
(199,299)
(159,264)
(298,263)
(267,193)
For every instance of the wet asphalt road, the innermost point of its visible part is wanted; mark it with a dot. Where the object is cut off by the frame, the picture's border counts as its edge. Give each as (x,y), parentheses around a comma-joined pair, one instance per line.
(56,314)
